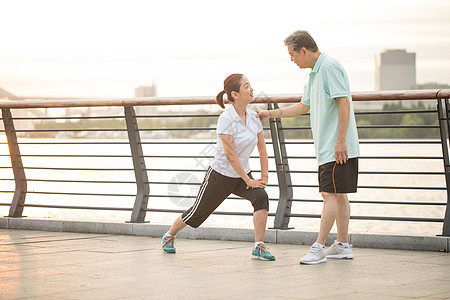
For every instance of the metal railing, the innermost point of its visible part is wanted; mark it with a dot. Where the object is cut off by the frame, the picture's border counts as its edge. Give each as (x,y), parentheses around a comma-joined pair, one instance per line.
(143,170)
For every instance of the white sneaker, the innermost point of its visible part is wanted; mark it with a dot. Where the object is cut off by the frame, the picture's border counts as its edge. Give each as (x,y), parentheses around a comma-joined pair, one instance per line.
(337,250)
(316,255)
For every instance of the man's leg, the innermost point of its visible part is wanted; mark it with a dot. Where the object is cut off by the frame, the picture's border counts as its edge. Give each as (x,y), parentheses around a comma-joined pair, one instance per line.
(335,207)
(342,218)
(329,214)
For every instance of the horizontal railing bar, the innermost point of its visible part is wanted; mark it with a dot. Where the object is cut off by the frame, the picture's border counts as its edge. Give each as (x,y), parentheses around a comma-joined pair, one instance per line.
(375,127)
(378,187)
(374,157)
(201,171)
(81,194)
(114,117)
(73,155)
(374,218)
(177,129)
(371,142)
(318,200)
(206,116)
(212,128)
(80,181)
(377,202)
(415,95)
(195,170)
(77,207)
(396,126)
(191,183)
(194,197)
(69,118)
(227,213)
(212,143)
(188,156)
(74,169)
(71,130)
(386,112)
(177,116)
(375,172)
(196,156)
(119,143)
(71,143)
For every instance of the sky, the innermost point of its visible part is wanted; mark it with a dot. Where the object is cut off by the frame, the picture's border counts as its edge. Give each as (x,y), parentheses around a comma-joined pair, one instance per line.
(97,48)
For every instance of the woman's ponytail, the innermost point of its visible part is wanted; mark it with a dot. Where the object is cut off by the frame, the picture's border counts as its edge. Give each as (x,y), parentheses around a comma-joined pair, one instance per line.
(231,84)
(219,99)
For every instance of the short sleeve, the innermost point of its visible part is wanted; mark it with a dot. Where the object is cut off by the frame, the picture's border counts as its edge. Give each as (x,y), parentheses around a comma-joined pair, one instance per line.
(306,99)
(224,125)
(336,82)
(260,127)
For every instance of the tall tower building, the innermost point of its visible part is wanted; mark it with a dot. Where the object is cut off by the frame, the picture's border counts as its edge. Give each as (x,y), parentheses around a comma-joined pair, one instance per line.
(395,70)
(146,91)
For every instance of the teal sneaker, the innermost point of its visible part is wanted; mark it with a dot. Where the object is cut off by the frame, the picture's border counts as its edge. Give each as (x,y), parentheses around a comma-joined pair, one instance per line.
(262,252)
(168,244)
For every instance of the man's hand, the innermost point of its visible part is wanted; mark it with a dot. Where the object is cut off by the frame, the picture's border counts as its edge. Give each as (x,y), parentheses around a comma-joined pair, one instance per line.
(262,114)
(340,153)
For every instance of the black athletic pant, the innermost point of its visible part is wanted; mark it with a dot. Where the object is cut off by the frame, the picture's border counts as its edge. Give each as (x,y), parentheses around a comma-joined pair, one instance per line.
(214,190)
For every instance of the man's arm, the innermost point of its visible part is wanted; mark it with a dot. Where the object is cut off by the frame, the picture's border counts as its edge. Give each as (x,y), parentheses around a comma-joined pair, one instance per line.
(341,153)
(287,112)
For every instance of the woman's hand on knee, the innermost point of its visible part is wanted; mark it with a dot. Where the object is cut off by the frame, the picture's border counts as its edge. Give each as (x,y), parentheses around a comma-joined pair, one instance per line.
(254,184)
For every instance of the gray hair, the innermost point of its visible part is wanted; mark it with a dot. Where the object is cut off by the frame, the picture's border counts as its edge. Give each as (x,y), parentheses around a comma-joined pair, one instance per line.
(299,39)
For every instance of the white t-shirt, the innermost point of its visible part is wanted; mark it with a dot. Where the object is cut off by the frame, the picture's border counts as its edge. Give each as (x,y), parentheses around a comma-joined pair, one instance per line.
(245,138)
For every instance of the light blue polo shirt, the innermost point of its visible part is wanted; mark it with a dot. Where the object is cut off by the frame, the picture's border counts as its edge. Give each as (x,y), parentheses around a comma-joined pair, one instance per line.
(327,81)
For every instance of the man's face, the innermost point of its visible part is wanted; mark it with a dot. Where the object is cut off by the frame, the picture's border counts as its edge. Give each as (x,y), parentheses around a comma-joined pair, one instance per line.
(298,57)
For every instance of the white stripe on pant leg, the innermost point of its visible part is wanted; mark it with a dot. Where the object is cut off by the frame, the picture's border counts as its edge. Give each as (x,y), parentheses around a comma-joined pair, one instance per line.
(199,197)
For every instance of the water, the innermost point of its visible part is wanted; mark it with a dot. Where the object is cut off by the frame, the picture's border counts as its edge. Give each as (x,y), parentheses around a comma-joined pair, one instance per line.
(411,228)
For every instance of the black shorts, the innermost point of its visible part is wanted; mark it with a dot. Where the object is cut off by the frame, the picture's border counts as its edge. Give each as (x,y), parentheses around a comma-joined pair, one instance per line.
(336,178)
(214,190)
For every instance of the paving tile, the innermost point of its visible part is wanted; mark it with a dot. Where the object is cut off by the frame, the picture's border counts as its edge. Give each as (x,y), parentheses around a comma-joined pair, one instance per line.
(67,266)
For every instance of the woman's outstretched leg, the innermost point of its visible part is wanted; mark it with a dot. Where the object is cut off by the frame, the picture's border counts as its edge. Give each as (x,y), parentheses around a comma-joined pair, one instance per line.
(168,240)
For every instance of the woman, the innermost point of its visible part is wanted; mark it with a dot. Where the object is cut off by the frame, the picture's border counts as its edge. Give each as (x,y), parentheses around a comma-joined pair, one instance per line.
(238,131)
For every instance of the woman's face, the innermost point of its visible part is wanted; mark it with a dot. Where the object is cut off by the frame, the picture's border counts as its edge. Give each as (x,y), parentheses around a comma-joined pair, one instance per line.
(246,90)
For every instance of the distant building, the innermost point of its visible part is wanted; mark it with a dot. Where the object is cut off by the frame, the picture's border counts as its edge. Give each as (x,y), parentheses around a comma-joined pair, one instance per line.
(395,70)
(146,91)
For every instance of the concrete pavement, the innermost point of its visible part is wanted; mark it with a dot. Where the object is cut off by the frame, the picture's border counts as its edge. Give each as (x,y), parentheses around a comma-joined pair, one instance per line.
(65,265)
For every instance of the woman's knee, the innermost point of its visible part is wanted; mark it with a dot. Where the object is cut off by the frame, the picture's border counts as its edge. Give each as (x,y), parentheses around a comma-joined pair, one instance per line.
(262,200)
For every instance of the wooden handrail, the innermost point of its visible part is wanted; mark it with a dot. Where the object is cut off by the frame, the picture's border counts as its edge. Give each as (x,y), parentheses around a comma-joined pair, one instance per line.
(155,101)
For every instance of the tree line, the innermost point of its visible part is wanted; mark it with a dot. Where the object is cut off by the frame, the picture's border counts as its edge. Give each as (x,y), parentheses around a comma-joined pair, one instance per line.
(393,113)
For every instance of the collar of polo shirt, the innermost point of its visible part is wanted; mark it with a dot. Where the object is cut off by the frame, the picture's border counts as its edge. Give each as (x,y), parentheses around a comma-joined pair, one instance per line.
(235,115)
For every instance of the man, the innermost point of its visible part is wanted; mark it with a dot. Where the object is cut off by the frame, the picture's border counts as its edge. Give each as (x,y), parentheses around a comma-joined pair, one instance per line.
(327,97)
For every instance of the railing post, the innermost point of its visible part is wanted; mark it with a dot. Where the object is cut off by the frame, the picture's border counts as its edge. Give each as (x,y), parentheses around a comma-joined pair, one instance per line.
(140,171)
(16,208)
(444,128)
(284,177)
